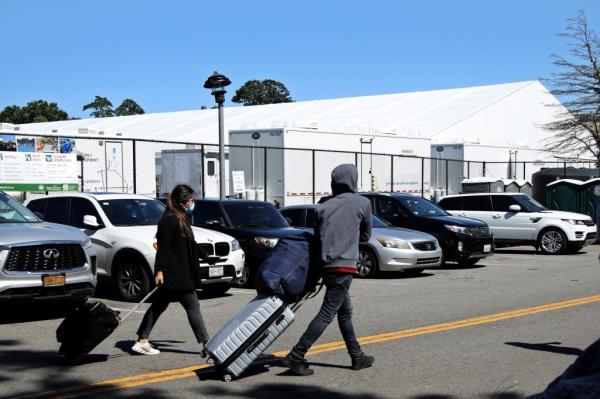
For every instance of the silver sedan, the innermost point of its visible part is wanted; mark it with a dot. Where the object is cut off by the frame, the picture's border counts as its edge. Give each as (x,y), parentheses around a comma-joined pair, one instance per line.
(389,249)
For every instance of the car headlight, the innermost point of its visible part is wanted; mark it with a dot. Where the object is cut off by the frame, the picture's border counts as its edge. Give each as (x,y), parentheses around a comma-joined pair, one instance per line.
(394,243)
(87,244)
(573,221)
(457,229)
(235,245)
(266,242)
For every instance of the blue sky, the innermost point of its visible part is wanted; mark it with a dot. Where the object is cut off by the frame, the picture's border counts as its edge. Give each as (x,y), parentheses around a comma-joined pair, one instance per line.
(160,53)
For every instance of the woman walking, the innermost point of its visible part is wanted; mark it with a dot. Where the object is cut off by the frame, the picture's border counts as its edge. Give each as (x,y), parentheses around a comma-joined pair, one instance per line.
(176,270)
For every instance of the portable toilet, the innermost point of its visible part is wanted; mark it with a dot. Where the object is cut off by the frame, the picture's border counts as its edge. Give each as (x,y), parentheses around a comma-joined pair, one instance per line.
(525,187)
(510,186)
(482,185)
(589,198)
(563,195)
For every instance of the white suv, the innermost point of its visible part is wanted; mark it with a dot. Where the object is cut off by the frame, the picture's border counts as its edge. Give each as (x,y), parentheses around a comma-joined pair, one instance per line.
(122,228)
(516,219)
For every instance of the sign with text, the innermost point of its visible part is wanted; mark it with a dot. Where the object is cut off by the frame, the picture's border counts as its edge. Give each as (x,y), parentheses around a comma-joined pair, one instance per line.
(239,185)
(37,171)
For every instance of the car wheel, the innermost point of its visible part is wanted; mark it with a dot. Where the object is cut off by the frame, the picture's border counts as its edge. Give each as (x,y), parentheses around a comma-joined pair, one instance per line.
(552,241)
(244,280)
(216,289)
(467,262)
(367,263)
(132,281)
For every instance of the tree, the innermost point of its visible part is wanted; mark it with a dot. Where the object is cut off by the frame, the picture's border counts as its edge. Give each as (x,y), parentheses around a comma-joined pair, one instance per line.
(129,107)
(577,131)
(102,108)
(257,92)
(34,111)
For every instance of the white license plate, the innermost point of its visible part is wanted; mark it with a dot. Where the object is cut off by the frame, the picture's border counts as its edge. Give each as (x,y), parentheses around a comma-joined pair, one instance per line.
(487,247)
(216,271)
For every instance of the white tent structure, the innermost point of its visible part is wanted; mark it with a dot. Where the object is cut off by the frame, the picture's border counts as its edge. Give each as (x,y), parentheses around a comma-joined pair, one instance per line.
(484,123)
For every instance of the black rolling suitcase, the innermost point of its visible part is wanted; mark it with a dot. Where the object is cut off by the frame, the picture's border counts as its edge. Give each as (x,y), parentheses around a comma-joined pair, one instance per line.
(88,326)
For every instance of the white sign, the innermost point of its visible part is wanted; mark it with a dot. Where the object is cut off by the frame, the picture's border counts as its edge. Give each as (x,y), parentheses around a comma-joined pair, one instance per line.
(239,184)
(38,171)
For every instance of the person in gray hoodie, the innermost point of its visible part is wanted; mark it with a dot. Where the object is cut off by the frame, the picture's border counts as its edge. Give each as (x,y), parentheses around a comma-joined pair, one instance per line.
(343,221)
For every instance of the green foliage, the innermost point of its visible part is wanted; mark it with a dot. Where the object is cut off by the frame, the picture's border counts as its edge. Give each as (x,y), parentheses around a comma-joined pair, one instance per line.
(34,111)
(101,106)
(129,107)
(257,92)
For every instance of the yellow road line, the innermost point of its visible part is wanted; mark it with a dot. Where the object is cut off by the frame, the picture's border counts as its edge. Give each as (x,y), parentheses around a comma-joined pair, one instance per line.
(186,372)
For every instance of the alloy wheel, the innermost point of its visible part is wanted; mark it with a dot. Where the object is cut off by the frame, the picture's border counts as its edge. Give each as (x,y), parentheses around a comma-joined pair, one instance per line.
(552,241)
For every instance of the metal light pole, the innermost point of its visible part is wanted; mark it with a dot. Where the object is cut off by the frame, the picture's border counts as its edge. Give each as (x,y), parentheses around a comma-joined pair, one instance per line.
(217,83)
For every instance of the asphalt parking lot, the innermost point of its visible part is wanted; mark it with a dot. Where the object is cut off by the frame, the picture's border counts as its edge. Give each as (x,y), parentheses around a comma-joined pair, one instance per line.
(502,329)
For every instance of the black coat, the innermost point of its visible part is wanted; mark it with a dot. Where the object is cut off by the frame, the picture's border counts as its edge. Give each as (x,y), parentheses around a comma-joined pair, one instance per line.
(177,256)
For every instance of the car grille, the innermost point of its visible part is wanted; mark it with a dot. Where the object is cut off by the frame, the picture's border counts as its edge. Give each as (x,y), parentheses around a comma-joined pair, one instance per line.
(479,231)
(219,248)
(588,222)
(35,258)
(428,261)
(424,245)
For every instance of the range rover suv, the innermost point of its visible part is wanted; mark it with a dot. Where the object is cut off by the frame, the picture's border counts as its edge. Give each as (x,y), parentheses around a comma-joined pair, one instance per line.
(516,219)
(42,261)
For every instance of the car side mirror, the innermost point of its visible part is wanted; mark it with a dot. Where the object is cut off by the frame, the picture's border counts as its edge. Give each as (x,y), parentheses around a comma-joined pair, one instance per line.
(39,215)
(514,208)
(91,222)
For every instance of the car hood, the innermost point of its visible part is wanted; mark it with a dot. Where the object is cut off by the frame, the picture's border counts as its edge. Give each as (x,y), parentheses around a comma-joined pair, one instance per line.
(564,215)
(459,221)
(15,233)
(404,234)
(206,235)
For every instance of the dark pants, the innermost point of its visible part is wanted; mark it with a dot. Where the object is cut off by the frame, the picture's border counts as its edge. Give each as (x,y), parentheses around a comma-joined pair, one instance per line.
(336,301)
(190,303)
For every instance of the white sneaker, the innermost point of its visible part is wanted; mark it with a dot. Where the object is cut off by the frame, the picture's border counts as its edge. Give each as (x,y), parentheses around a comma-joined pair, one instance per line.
(145,349)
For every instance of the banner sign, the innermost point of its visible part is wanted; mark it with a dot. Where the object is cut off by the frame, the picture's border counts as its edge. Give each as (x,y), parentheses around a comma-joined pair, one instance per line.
(38,171)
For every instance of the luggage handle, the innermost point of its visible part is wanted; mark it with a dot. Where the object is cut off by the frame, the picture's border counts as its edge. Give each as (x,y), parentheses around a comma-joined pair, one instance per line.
(306,297)
(136,307)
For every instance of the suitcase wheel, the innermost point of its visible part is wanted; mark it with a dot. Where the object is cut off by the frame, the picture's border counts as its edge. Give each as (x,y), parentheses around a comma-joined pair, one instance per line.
(210,361)
(227,377)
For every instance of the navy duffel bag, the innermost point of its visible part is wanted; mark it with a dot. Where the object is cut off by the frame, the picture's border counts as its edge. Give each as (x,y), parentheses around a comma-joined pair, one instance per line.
(284,272)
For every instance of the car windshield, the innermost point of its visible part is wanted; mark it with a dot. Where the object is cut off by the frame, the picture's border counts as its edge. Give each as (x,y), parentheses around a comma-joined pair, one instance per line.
(133,211)
(11,211)
(255,214)
(421,207)
(529,204)
(378,223)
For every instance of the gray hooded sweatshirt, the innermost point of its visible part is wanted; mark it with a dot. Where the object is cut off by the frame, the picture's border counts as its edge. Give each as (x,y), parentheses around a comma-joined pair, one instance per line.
(343,220)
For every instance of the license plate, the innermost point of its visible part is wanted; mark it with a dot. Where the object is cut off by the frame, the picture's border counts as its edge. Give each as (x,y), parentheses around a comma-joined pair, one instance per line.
(216,271)
(487,247)
(53,280)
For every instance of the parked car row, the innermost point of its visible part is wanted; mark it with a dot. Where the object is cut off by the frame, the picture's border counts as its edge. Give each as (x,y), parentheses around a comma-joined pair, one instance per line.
(56,246)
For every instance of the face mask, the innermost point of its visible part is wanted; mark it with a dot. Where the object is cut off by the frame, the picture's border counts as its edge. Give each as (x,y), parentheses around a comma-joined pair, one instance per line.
(191,207)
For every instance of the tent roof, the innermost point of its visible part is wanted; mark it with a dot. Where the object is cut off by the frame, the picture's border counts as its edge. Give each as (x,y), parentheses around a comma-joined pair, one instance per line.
(512,112)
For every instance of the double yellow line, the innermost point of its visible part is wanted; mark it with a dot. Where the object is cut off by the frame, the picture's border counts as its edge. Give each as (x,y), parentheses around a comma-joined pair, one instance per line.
(191,371)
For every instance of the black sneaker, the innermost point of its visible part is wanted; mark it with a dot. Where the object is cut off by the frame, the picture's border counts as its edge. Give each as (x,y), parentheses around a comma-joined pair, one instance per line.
(297,367)
(362,362)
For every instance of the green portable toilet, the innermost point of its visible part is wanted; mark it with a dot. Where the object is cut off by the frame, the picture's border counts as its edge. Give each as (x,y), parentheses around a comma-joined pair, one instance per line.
(589,197)
(563,195)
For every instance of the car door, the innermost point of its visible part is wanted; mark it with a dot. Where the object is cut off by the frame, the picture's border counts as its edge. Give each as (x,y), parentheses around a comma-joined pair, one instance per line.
(56,210)
(390,210)
(80,207)
(479,207)
(514,226)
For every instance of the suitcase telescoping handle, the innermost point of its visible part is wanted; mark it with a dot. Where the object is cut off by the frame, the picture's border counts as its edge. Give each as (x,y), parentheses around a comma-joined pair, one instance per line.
(294,307)
(136,307)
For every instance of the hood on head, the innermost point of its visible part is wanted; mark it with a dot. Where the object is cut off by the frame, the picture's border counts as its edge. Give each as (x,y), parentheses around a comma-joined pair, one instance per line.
(344,179)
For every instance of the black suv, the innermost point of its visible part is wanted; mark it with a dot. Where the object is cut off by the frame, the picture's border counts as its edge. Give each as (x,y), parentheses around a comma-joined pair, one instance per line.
(463,240)
(257,225)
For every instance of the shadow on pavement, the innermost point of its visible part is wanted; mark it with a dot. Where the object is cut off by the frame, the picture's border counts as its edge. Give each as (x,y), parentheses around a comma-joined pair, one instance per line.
(399,275)
(548,347)
(166,346)
(456,266)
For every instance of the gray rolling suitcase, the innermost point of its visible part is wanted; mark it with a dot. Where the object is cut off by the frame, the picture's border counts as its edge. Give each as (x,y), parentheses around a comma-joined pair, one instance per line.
(248,335)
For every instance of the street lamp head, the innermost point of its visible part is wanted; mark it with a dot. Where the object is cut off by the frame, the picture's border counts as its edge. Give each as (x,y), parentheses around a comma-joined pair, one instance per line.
(217,83)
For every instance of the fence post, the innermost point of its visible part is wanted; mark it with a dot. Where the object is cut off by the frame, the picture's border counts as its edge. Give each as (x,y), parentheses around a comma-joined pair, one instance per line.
(313,177)
(565,169)
(447,185)
(468,169)
(392,173)
(423,178)
(134,168)
(524,167)
(265,176)
(202,170)
(483,169)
